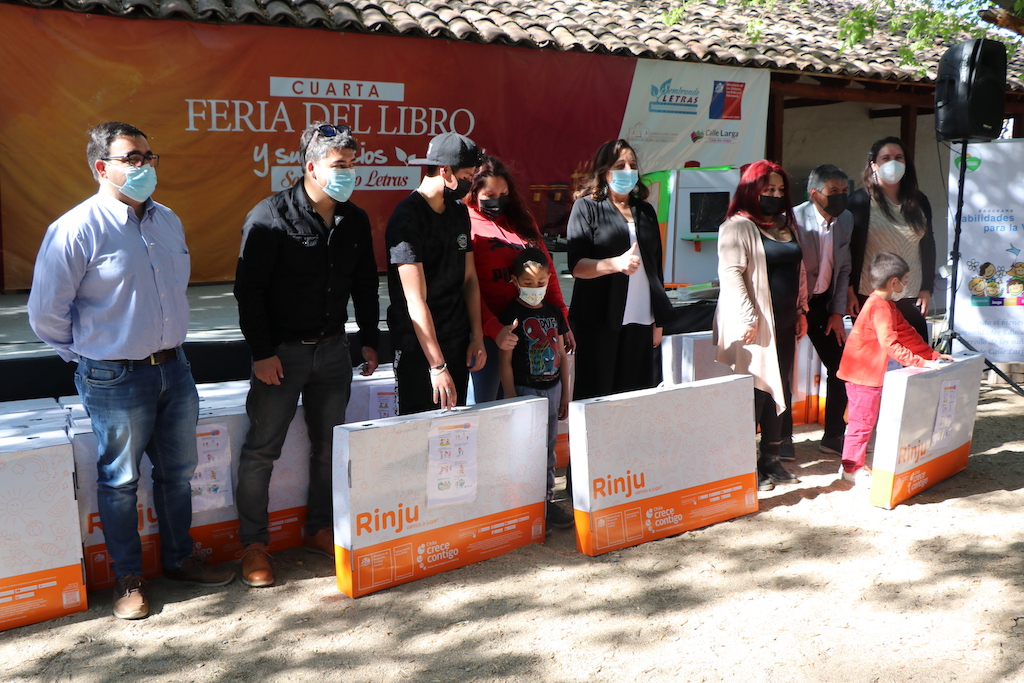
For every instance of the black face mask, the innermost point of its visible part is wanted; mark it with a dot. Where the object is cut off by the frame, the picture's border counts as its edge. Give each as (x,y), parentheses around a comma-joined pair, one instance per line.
(494,208)
(835,204)
(458,193)
(770,205)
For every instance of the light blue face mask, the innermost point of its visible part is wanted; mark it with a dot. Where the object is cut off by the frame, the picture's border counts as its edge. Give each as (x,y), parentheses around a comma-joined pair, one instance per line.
(623,181)
(340,183)
(139,182)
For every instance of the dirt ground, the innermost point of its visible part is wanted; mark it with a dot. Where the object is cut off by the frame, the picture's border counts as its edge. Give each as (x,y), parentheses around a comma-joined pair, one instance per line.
(817,586)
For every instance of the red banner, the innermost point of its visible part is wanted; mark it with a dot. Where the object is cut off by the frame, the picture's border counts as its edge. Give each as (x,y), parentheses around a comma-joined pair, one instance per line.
(224,107)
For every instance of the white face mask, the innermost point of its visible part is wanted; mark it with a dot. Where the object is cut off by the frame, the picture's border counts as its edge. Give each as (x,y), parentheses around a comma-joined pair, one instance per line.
(532,296)
(891,172)
(896,296)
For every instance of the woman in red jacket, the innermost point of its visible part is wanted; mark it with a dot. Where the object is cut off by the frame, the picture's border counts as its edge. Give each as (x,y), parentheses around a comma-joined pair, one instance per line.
(502,227)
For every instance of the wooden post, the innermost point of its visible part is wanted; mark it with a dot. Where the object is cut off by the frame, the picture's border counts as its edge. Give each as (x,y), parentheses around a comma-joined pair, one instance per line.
(908,128)
(776,118)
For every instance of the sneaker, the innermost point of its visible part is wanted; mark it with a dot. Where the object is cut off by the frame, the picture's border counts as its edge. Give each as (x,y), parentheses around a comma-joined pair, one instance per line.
(256,569)
(764,482)
(859,477)
(786,452)
(321,543)
(197,572)
(557,517)
(130,598)
(833,445)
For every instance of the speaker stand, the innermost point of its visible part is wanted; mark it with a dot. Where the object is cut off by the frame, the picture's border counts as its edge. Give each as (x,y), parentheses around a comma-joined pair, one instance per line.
(945,343)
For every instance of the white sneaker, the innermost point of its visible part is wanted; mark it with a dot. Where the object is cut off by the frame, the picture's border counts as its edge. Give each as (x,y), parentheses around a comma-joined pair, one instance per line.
(858,478)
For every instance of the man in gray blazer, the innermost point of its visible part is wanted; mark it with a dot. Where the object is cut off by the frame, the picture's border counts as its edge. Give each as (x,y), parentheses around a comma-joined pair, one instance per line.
(824,227)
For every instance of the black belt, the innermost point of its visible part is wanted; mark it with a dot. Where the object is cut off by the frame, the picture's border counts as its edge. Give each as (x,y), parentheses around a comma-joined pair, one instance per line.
(321,340)
(157,358)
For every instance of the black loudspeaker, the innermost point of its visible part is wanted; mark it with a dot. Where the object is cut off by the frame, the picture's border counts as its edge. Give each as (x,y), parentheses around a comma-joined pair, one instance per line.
(970,94)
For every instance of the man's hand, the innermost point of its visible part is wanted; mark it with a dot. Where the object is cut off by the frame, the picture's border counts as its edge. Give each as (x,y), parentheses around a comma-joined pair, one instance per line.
(628,262)
(476,356)
(658,332)
(801,326)
(507,337)
(369,361)
(444,389)
(852,303)
(269,370)
(835,326)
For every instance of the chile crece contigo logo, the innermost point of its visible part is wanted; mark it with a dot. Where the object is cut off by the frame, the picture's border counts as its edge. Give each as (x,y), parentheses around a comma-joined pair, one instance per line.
(629,484)
(396,520)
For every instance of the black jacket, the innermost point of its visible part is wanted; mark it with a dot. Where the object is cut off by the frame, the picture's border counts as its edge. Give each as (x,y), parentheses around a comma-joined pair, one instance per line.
(597,230)
(295,274)
(860,207)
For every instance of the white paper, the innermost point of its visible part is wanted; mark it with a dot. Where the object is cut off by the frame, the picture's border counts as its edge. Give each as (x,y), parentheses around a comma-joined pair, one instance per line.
(451,453)
(211,484)
(383,404)
(945,414)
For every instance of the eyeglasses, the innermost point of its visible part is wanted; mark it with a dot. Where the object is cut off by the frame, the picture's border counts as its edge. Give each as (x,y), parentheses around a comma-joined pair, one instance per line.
(136,159)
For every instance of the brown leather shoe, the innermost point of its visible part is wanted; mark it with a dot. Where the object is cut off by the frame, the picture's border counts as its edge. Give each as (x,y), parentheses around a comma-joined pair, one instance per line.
(256,569)
(321,542)
(130,598)
(199,573)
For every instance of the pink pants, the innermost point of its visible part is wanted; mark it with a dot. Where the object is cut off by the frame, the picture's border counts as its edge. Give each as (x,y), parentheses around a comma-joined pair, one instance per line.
(863,410)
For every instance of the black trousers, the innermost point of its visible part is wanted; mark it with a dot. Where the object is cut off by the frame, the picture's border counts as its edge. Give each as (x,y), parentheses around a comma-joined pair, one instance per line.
(414,392)
(830,352)
(764,406)
(613,360)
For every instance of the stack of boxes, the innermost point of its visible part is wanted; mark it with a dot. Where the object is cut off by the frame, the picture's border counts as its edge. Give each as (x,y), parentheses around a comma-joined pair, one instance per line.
(51,540)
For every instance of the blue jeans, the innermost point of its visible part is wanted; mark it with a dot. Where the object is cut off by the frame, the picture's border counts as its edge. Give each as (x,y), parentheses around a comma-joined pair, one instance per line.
(554,397)
(485,383)
(322,374)
(136,408)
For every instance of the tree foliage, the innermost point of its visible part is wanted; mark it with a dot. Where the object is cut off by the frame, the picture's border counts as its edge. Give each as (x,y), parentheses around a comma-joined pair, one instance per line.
(924,23)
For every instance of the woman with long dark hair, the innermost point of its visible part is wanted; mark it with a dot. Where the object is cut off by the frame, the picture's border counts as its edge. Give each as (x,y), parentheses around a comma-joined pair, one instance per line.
(502,227)
(890,214)
(762,302)
(619,305)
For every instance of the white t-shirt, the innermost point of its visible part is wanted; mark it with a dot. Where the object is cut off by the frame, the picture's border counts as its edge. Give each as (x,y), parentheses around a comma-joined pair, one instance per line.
(638,292)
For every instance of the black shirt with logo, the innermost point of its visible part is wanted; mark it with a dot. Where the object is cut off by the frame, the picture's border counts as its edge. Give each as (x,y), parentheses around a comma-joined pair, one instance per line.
(439,241)
(536,358)
(295,274)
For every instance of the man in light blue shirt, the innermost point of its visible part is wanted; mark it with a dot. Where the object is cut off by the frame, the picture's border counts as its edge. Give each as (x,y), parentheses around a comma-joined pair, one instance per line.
(108,292)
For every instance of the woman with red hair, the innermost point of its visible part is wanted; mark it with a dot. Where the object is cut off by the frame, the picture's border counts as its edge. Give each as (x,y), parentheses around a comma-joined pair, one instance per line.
(761,305)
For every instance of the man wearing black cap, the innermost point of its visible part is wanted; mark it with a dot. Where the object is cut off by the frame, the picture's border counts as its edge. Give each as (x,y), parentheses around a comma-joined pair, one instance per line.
(434,315)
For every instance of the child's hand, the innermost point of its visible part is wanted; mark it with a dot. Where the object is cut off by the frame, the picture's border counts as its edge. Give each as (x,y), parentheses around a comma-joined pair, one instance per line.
(946,357)
(563,410)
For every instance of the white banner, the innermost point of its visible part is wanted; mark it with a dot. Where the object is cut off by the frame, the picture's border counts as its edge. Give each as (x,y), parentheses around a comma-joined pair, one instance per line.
(713,115)
(990,291)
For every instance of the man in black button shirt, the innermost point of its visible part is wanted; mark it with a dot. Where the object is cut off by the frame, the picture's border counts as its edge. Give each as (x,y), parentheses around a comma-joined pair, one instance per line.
(305,250)
(434,317)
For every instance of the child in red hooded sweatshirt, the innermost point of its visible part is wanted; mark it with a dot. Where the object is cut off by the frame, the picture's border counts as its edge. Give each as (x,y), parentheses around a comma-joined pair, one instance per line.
(880,333)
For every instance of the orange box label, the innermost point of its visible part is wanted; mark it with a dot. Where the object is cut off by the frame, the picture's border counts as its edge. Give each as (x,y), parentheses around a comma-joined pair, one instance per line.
(214,543)
(664,515)
(889,490)
(401,560)
(38,596)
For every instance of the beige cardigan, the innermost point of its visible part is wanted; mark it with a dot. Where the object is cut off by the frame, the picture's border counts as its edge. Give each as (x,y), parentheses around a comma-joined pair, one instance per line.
(745,297)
